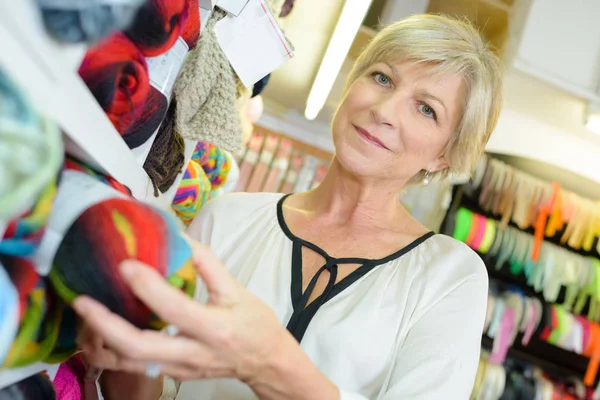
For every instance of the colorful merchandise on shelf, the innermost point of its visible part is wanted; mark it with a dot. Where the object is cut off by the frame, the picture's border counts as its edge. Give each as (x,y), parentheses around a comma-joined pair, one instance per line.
(165,159)
(9,313)
(157,26)
(116,73)
(74,21)
(32,151)
(193,192)
(249,161)
(24,233)
(206,89)
(306,174)
(292,174)
(278,168)
(261,169)
(83,263)
(214,161)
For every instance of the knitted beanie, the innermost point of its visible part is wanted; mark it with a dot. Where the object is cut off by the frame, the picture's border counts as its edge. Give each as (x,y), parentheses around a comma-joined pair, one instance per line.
(206,93)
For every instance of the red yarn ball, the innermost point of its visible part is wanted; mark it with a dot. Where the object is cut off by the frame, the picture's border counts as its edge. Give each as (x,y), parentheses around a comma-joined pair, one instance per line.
(117,75)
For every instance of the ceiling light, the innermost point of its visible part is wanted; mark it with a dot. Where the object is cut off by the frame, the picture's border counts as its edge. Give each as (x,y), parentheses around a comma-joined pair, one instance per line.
(349,23)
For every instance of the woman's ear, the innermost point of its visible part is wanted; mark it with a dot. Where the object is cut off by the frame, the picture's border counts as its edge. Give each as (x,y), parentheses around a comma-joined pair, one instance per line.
(437,165)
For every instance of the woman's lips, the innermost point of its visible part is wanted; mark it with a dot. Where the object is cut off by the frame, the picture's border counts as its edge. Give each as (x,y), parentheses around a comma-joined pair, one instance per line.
(370,138)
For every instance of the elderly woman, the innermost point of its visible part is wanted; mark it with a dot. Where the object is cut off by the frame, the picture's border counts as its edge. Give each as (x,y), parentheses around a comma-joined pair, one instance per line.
(337,293)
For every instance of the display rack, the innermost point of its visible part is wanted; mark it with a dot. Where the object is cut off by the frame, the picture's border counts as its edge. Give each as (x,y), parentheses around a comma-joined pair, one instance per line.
(47,71)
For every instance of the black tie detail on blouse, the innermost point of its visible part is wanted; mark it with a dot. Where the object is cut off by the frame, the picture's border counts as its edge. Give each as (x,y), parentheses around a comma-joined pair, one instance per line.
(303,314)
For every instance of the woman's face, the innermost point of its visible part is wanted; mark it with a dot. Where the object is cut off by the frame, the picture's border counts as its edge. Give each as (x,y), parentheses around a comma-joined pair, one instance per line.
(396,120)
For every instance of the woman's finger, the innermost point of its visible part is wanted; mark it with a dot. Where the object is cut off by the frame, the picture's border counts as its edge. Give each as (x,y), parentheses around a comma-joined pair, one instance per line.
(168,303)
(223,289)
(129,342)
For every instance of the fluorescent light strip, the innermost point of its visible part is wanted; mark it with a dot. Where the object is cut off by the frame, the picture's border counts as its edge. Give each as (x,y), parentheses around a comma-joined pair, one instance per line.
(351,18)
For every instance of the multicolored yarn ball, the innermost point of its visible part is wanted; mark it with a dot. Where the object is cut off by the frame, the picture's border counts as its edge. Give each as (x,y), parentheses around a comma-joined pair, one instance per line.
(214,162)
(41,315)
(108,233)
(24,234)
(116,73)
(193,192)
(76,165)
(75,21)
(157,26)
(31,151)
(9,313)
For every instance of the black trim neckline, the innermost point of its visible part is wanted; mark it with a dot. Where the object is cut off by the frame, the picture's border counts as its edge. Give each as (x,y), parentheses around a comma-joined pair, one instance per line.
(303,313)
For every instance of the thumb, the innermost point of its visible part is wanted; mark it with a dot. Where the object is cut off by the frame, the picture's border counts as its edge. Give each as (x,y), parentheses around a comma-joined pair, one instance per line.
(223,289)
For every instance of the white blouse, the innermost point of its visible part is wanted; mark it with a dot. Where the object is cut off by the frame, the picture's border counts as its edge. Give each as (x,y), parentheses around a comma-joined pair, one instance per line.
(404,327)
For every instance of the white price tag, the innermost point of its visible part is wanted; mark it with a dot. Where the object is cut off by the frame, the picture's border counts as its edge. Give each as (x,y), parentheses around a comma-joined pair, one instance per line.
(253,42)
(251,157)
(163,70)
(266,157)
(281,164)
(76,193)
(234,7)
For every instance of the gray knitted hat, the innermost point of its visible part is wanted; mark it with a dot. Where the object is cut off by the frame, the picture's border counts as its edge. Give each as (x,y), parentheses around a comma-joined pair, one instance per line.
(206,94)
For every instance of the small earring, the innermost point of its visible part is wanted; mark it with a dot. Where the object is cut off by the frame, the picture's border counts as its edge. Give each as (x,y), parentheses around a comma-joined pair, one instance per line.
(426,178)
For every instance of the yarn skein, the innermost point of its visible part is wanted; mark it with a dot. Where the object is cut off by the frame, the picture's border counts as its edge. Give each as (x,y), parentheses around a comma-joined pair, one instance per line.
(117,75)
(23,234)
(9,313)
(151,114)
(214,161)
(193,192)
(35,387)
(39,325)
(74,21)
(166,157)
(31,151)
(206,90)
(108,233)
(157,26)
(76,165)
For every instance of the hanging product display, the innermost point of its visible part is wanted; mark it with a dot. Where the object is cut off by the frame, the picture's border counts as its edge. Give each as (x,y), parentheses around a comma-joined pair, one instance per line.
(74,21)
(214,161)
(193,192)
(166,157)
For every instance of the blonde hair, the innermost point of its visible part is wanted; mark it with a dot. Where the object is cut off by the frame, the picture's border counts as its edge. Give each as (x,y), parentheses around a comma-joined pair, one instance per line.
(451,46)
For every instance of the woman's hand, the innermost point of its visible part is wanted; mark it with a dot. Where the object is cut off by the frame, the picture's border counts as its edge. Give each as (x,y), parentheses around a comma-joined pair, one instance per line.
(234,335)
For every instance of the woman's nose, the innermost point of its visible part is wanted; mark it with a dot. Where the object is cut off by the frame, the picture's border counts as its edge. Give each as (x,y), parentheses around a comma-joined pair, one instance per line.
(386,110)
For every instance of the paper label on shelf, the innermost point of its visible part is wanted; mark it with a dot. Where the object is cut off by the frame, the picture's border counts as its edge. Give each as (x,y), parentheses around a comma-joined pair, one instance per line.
(251,157)
(76,193)
(163,69)
(291,177)
(266,157)
(281,164)
(234,7)
(253,42)
(208,4)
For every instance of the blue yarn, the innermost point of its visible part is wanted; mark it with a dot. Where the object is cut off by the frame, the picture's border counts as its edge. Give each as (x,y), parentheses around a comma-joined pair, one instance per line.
(75,21)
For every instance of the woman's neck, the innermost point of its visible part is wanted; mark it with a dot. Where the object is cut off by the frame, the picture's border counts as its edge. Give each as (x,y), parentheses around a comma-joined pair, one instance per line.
(345,198)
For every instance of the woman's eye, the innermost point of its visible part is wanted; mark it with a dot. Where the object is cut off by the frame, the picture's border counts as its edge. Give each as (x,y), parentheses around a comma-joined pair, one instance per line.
(427,111)
(381,79)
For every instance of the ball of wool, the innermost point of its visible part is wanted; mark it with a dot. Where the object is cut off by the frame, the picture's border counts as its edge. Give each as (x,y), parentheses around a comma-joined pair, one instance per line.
(191,29)
(75,21)
(157,26)
(9,313)
(76,165)
(23,234)
(214,161)
(193,192)
(31,151)
(108,233)
(116,73)
(40,322)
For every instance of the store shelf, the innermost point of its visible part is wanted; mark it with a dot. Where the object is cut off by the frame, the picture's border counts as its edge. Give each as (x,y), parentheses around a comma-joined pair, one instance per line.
(47,71)
(12,375)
